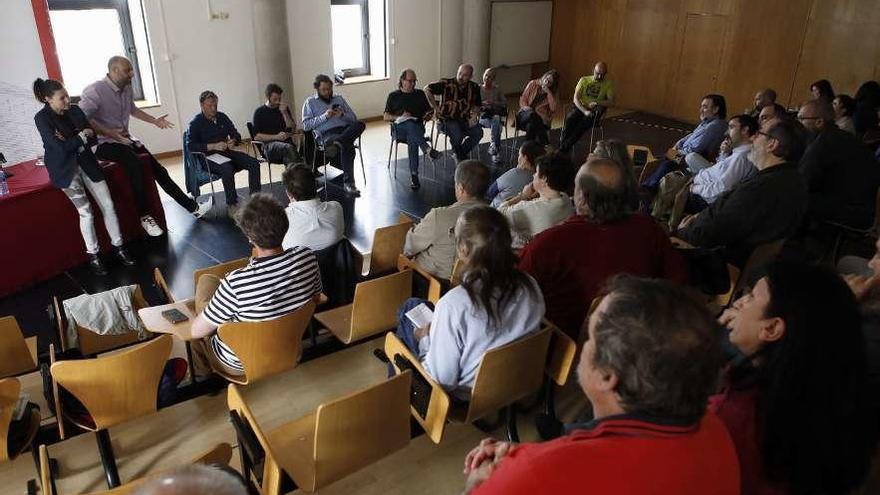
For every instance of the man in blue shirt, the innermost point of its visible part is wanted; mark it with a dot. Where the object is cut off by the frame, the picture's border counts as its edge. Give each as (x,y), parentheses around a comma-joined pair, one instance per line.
(212,133)
(698,147)
(335,126)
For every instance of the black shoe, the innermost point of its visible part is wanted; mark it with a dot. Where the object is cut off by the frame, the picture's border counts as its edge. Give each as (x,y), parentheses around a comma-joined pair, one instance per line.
(414,183)
(124,257)
(351,190)
(97,265)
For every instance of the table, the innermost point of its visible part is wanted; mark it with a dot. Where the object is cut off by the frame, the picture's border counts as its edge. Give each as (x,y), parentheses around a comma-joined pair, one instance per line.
(153,321)
(39,227)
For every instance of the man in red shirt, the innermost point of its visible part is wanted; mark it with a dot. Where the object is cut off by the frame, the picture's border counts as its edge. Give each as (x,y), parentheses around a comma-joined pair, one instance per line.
(648,368)
(571,261)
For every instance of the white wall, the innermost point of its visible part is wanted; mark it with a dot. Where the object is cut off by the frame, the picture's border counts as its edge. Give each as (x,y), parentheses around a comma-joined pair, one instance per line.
(21,57)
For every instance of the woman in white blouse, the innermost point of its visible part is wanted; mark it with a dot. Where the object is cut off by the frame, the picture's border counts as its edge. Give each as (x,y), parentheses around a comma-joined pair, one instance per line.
(543,203)
(494,305)
(844,106)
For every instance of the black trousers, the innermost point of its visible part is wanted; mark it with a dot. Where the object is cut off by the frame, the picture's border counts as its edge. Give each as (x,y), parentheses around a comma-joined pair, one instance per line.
(576,124)
(127,156)
(533,124)
(237,161)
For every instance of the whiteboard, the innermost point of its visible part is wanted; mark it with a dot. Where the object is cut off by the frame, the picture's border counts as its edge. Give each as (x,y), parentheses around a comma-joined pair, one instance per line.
(520,33)
(19,139)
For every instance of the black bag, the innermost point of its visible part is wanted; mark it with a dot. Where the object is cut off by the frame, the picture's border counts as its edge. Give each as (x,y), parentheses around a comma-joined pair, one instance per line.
(707,270)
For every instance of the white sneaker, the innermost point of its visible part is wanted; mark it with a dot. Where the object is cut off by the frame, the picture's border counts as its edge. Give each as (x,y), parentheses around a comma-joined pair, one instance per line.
(203,208)
(493,150)
(150,226)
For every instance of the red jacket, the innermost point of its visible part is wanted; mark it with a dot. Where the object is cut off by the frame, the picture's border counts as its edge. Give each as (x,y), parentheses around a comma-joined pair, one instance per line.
(623,456)
(572,261)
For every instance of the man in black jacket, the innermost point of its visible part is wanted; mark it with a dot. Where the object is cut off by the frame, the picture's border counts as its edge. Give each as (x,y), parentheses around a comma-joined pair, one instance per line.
(766,207)
(841,173)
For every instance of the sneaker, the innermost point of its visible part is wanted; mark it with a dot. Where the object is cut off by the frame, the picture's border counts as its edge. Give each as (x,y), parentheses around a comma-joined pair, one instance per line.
(97,265)
(414,183)
(352,190)
(123,256)
(202,209)
(493,150)
(150,226)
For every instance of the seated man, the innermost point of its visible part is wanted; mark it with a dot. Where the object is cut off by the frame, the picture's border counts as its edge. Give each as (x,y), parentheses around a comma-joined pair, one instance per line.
(406,109)
(335,126)
(648,368)
(212,133)
(592,96)
(841,173)
(276,282)
(432,241)
(765,97)
(733,165)
(766,207)
(314,224)
(275,127)
(109,104)
(774,111)
(572,261)
(493,107)
(697,147)
(458,110)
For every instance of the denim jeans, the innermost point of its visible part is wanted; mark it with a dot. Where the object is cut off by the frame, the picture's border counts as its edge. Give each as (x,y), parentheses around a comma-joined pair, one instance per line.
(406,331)
(462,137)
(412,132)
(494,124)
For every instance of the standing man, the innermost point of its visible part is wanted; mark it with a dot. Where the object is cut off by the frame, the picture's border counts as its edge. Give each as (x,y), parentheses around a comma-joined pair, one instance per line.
(335,126)
(212,133)
(459,109)
(108,104)
(406,109)
(592,96)
(275,127)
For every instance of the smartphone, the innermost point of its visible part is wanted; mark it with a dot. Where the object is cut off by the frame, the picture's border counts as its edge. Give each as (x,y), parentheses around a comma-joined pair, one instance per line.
(335,106)
(174,316)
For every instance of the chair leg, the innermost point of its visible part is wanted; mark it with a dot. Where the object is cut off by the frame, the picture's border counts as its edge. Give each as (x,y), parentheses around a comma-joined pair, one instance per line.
(390,150)
(108,460)
(512,433)
(360,152)
(269,165)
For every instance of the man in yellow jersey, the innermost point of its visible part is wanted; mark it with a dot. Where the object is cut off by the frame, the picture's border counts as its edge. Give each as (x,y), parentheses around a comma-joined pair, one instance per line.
(592,96)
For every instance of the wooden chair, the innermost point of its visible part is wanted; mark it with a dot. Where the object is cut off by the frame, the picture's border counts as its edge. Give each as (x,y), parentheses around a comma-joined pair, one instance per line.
(387,246)
(91,343)
(435,287)
(219,270)
(159,280)
(10,389)
(374,309)
(632,148)
(114,389)
(506,375)
(455,278)
(341,437)
(266,347)
(218,456)
(19,353)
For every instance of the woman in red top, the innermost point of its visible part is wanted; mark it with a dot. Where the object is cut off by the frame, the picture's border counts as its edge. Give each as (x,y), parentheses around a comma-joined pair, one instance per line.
(796,406)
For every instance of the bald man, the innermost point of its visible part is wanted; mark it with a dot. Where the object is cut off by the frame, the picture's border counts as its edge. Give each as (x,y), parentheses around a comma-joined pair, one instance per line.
(197,479)
(108,104)
(459,109)
(841,173)
(765,97)
(592,96)
(572,260)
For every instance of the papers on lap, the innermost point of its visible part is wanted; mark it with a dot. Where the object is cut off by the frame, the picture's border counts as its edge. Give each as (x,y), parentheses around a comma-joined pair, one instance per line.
(218,158)
(420,315)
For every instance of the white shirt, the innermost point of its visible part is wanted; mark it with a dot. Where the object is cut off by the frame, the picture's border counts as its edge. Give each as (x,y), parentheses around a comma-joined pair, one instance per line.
(313,224)
(460,334)
(530,218)
(712,182)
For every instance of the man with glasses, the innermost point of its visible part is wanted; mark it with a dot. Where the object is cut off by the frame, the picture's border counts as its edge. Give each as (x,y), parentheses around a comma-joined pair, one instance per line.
(842,176)
(766,207)
(592,96)
(406,109)
(459,109)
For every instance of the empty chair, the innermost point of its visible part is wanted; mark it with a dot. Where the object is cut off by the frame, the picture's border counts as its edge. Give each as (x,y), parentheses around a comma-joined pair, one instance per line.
(89,342)
(373,311)
(339,438)
(266,347)
(387,246)
(220,270)
(113,389)
(19,353)
(16,440)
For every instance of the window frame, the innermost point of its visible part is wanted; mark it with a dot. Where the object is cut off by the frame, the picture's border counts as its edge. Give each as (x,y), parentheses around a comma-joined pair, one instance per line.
(365,36)
(125,24)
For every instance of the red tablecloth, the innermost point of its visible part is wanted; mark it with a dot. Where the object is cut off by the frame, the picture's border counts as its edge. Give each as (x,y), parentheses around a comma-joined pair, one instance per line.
(39,227)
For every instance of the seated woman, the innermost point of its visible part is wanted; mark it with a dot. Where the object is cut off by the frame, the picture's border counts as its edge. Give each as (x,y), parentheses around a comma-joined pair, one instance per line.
(510,183)
(493,106)
(844,108)
(797,406)
(494,305)
(67,142)
(537,104)
(543,203)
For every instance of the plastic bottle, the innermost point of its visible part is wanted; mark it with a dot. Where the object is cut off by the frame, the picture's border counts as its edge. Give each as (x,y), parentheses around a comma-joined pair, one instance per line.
(4,187)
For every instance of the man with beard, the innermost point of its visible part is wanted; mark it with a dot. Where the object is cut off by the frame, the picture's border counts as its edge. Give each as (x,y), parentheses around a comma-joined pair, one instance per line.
(275,128)
(458,110)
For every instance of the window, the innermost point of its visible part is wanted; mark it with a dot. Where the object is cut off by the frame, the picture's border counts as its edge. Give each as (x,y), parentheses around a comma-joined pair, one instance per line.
(88,32)
(358,37)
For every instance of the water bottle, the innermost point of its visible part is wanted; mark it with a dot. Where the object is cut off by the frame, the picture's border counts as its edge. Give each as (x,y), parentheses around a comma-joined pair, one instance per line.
(4,187)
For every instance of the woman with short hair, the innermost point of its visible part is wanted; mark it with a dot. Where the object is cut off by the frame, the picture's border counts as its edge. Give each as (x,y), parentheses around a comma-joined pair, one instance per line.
(537,104)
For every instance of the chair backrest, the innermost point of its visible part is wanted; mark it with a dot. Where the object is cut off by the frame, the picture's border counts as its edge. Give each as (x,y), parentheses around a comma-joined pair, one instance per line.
(18,358)
(376,302)
(10,388)
(250,128)
(270,346)
(337,272)
(196,171)
(455,278)
(118,387)
(47,487)
(159,280)
(722,300)
(387,246)
(219,270)
(271,476)
(91,343)
(560,358)
(354,431)
(435,288)
(509,373)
